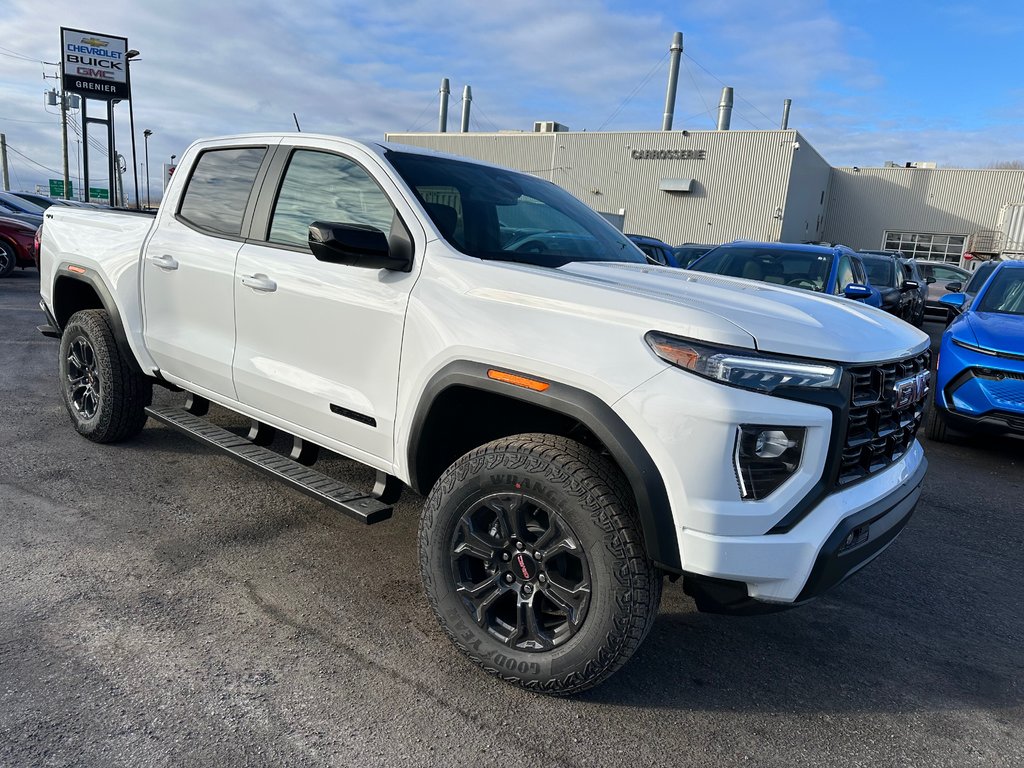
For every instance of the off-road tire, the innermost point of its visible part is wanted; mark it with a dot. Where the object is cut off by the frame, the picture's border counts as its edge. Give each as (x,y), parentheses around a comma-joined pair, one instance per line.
(8,258)
(938,429)
(122,393)
(591,497)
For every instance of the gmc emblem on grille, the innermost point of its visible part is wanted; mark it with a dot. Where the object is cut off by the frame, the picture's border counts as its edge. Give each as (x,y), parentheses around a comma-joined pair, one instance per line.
(910,390)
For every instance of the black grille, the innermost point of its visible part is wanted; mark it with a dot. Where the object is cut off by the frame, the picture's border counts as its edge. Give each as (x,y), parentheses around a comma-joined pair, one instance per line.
(878,433)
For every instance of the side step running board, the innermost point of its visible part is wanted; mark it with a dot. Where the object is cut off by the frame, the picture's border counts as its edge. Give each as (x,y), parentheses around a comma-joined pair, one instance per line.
(356,504)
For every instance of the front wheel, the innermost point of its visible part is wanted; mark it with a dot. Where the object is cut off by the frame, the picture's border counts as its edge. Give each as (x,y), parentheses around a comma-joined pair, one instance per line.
(938,429)
(8,258)
(534,563)
(104,391)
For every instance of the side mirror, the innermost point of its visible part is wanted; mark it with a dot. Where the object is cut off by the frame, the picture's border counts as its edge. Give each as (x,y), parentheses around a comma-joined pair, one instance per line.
(911,285)
(954,300)
(355,245)
(857,291)
(956,287)
(929,280)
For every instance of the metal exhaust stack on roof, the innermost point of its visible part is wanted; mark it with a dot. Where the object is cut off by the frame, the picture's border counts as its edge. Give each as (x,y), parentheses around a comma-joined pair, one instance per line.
(785,113)
(442,117)
(673,78)
(467,99)
(725,109)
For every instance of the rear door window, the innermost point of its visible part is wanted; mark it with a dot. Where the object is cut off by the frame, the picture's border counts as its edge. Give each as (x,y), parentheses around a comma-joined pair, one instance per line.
(218,191)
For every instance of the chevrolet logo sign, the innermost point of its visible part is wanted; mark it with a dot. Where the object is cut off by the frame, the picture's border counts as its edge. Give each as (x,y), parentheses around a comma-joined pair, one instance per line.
(95,42)
(911,390)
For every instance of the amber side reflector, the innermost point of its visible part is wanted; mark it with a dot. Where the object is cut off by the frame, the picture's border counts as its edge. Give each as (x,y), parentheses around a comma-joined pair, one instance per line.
(519,381)
(76,270)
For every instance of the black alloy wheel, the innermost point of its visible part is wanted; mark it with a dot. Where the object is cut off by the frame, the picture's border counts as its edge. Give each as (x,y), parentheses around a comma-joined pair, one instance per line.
(8,259)
(533,561)
(85,388)
(520,571)
(104,391)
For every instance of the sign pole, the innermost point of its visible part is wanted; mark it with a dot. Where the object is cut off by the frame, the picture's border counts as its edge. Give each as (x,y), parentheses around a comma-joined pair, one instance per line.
(111,155)
(85,150)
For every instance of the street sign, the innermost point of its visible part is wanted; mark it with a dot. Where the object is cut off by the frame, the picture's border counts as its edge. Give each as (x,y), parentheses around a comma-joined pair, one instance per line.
(96,193)
(94,65)
(57,188)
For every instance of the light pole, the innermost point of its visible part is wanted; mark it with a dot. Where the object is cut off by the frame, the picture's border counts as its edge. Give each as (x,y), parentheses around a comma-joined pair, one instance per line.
(145,135)
(132,54)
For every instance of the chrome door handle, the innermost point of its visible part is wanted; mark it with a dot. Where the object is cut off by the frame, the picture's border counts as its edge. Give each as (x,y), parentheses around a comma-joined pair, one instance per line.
(165,261)
(259,282)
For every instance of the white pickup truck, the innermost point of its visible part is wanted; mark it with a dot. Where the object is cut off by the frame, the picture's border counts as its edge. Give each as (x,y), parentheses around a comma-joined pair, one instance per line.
(581,422)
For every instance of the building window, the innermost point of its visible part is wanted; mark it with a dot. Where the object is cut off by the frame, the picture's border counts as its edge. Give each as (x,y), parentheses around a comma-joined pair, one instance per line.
(925,245)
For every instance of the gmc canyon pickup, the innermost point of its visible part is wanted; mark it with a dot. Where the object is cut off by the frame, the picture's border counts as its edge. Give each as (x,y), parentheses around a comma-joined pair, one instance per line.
(581,422)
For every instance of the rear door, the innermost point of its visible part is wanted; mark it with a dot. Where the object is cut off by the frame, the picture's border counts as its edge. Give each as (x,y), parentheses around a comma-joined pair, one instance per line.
(319,344)
(189,267)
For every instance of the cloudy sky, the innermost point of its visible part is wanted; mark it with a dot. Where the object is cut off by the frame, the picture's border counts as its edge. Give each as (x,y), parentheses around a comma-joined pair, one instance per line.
(871,80)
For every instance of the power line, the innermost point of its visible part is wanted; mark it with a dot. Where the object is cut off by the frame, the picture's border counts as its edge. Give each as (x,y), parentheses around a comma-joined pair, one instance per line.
(707,109)
(38,122)
(416,123)
(476,108)
(51,170)
(740,98)
(634,92)
(23,57)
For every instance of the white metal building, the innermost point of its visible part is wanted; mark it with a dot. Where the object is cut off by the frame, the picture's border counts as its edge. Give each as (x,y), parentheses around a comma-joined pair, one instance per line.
(716,186)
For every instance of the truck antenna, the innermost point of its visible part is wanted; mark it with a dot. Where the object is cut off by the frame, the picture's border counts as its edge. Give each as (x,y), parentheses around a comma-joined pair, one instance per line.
(296,119)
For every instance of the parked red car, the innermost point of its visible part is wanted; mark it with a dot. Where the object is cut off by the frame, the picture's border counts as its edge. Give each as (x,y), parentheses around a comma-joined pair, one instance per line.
(17,245)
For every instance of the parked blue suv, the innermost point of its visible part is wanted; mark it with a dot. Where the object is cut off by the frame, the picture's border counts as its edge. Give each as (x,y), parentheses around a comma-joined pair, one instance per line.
(979,384)
(833,269)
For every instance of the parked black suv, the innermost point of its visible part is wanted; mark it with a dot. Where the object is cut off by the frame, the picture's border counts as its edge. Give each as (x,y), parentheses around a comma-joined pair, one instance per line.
(892,275)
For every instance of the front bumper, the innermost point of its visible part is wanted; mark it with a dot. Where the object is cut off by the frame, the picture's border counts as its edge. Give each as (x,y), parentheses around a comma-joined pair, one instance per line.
(978,392)
(747,575)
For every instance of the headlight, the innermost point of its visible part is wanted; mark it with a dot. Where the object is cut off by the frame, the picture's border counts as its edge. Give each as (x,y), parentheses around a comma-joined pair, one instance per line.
(741,367)
(973,348)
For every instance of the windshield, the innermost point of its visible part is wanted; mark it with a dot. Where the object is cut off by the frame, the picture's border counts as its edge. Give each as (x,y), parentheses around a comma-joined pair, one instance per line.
(981,274)
(687,254)
(493,213)
(800,269)
(1005,294)
(880,272)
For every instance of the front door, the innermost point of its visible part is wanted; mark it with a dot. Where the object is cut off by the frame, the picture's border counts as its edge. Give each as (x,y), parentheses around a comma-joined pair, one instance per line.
(318,344)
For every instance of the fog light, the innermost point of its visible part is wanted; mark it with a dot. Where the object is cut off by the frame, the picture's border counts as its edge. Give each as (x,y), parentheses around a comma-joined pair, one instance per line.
(772,443)
(765,457)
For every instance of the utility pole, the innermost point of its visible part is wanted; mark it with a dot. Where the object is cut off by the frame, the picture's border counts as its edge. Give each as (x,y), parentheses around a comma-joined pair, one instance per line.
(3,162)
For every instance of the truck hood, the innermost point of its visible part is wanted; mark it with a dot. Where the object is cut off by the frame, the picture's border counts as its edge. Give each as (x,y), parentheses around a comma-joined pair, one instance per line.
(787,321)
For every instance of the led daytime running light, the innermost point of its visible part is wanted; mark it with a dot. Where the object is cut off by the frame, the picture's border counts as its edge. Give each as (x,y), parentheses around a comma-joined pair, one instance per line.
(750,370)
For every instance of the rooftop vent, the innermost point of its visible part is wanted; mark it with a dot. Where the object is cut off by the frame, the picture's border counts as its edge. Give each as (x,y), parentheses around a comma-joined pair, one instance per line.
(548,126)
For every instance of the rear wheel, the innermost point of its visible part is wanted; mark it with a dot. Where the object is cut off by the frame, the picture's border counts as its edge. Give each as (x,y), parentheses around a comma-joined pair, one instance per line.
(533,561)
(104,392)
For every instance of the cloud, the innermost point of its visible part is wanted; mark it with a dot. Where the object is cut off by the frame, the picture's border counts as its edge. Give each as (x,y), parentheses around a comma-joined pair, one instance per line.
(364,69)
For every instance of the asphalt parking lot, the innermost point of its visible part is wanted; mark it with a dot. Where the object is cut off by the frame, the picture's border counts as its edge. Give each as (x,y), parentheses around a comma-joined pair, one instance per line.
(163,605)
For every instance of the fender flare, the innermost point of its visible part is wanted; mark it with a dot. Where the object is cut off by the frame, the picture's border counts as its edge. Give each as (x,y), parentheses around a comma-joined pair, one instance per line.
(106,300)
(632,457)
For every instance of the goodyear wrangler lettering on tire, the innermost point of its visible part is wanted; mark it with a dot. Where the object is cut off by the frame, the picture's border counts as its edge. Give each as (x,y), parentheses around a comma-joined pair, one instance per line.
(533,562)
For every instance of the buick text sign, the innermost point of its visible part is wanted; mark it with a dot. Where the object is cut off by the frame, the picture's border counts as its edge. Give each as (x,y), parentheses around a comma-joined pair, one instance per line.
(94,65)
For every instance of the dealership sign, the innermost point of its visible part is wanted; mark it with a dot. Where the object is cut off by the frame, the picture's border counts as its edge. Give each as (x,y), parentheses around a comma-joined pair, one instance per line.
(94,65)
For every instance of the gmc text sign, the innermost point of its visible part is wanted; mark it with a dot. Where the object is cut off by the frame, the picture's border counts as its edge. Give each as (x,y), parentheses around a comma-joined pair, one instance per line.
(94,65)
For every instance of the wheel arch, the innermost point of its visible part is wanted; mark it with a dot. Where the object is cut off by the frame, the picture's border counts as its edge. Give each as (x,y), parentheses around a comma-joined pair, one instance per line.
(75,292)
(462,408)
